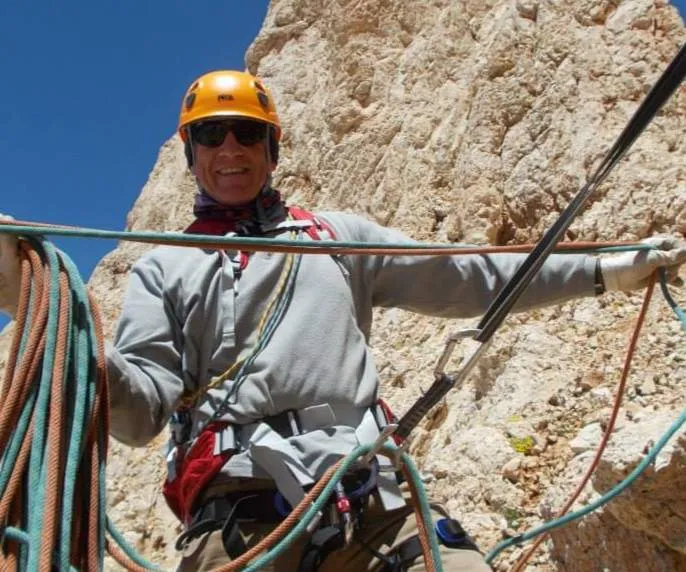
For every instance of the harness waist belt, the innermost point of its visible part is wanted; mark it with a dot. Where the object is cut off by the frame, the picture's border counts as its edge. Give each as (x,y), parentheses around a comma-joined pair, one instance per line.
(291,423)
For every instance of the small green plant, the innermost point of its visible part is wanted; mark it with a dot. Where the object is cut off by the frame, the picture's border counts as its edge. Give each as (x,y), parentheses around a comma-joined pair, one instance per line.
(522,444)
(512,516)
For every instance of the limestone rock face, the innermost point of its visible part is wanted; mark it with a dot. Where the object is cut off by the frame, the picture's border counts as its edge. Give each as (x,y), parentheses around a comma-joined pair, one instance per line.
(646,523)
(478,121)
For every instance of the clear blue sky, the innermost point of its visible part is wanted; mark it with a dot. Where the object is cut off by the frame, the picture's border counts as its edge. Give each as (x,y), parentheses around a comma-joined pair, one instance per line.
(91,90)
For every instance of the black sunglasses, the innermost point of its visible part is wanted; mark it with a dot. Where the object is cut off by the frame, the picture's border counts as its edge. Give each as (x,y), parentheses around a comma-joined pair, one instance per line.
(212,133)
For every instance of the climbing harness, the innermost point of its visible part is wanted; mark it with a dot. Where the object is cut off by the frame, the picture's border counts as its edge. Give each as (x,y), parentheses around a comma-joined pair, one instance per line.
(296,523)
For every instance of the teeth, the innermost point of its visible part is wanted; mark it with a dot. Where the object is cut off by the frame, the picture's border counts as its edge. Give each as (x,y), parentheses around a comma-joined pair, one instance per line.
(231,171)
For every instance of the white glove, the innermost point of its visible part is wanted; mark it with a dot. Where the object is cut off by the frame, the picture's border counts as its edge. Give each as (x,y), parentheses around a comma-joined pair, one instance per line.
(10,272)
(632,270)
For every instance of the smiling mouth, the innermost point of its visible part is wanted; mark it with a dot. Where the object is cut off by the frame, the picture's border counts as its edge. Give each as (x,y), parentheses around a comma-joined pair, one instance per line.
(232,171)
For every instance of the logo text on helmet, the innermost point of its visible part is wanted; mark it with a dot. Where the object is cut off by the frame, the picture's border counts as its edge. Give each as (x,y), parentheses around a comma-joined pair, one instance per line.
(225,97)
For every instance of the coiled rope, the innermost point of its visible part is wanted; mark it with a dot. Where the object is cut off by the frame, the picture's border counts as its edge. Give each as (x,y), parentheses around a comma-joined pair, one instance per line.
(54,427)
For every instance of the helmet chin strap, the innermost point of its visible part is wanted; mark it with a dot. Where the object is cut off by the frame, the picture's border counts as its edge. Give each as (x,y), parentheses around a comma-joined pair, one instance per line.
(268,156)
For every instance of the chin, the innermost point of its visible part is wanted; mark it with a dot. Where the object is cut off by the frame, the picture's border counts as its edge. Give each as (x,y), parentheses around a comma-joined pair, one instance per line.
(236,199)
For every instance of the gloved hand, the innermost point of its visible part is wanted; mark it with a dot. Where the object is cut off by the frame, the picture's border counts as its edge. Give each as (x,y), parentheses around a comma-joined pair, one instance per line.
(632,270)
(10,272)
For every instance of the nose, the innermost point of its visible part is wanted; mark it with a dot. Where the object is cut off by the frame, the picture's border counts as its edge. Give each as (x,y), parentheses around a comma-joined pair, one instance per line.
(230,143)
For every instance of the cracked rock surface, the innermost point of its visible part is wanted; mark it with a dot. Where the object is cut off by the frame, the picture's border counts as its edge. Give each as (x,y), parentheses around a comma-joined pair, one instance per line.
(477,121)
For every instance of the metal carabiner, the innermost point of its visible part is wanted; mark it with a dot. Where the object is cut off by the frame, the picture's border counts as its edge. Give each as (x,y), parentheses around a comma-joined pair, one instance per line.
(450,344)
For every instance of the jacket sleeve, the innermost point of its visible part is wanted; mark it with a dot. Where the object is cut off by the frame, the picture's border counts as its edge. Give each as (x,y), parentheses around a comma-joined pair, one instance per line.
(459,286)
(144,364)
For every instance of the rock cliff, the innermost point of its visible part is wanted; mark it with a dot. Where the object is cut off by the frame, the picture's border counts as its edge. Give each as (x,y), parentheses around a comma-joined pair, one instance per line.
(477,121)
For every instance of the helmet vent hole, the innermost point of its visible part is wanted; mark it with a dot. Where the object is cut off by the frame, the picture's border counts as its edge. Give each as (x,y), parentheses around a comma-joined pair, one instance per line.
(263,99)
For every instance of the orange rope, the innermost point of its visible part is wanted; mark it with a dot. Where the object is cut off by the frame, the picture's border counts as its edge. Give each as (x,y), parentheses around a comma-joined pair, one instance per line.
(14,392)
(422,532)
(121,558)
(283,528)
(18,383)
(304,248)
(519,565)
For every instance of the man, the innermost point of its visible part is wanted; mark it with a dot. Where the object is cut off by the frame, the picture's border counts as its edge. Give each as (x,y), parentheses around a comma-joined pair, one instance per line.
(262,361)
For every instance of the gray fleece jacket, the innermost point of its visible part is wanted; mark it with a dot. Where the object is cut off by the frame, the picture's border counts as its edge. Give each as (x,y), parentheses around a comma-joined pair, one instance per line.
(186,318)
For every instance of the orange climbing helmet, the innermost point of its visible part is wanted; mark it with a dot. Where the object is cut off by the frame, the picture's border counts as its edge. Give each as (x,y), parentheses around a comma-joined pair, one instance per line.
(228,94)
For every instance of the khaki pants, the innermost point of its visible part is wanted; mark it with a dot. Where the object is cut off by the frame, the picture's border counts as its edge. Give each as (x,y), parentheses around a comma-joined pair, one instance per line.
(381,530)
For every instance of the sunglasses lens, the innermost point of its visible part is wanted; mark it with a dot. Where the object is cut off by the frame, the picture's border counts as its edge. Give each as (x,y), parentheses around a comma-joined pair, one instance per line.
(249,132)
(213,133)
(210,133)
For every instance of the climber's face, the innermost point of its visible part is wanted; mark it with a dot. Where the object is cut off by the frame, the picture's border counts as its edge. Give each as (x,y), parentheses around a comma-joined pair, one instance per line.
(230,159)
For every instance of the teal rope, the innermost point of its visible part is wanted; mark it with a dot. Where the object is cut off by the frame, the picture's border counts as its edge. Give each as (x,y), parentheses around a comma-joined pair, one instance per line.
(671,302)
(83,399)
(604,499)
(85,365)
(126,548)
(607,497)
(22,538)
(328,490)
(35,498)
(311,247)
(425,510)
